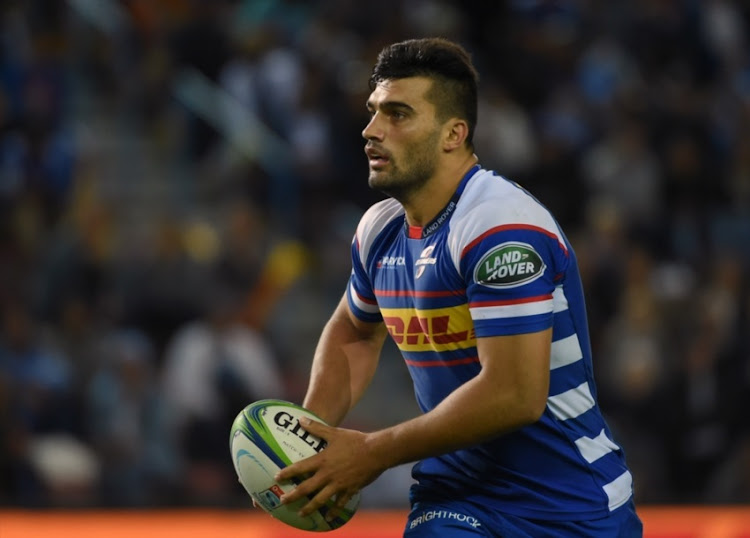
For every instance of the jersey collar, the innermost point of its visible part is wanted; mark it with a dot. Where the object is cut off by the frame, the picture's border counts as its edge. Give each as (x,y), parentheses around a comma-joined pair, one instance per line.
(421,232)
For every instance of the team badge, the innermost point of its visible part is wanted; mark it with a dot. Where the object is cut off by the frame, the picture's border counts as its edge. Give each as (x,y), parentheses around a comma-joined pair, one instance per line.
(424,260)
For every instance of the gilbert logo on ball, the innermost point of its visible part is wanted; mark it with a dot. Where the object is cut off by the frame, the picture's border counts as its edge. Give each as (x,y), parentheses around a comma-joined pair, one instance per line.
(266,436)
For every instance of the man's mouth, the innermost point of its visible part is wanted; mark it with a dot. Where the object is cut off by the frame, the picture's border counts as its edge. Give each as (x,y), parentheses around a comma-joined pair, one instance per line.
(376,158)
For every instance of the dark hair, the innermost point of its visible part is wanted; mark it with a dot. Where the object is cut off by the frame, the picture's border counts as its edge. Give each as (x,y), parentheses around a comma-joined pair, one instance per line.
(448,64)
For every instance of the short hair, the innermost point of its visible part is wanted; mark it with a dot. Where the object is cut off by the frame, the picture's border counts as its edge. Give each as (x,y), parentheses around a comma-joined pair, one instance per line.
(448,64)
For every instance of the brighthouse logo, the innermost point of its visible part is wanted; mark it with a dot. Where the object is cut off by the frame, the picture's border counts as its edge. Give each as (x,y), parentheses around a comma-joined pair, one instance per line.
(440,329)
(509,265)
(429,515)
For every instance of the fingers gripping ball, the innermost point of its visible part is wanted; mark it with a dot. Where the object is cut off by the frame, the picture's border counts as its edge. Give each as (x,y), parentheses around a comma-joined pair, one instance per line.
(266,436)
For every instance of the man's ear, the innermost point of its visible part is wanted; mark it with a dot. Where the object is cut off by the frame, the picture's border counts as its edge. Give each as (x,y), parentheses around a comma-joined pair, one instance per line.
(456,131)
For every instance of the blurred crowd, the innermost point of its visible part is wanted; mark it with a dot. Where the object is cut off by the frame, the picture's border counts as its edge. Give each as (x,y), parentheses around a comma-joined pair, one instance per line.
(180,181)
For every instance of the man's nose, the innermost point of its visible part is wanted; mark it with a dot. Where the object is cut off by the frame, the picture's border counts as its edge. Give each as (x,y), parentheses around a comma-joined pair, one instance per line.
(372,131)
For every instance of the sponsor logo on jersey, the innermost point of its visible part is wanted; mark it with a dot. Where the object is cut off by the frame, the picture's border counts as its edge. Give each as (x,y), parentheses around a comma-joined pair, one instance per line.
(435,224)
(509,265)
(440,329)
(424,260)
(391,261)
(428,515)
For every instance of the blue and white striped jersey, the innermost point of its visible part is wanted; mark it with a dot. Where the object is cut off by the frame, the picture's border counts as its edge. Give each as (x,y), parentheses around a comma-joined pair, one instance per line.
(494,262)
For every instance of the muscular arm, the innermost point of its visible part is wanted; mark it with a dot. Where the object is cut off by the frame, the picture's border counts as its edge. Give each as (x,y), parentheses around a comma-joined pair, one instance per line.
(509,392)
(344,364)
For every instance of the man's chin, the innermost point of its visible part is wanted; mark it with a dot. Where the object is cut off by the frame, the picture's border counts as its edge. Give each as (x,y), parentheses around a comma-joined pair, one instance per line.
(377,180)
(385,187)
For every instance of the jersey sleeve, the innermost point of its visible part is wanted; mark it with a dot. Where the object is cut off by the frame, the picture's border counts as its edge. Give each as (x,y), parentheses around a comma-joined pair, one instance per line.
(511,275)
(359,291)
(511,268)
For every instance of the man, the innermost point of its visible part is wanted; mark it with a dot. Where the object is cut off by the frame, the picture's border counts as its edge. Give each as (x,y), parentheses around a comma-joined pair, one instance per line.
(479,288)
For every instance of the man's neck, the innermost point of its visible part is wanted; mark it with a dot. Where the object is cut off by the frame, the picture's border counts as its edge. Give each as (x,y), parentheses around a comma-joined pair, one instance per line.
(433,197)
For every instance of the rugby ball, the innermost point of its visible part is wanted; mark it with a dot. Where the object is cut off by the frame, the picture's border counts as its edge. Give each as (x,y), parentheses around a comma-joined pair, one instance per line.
(266,436)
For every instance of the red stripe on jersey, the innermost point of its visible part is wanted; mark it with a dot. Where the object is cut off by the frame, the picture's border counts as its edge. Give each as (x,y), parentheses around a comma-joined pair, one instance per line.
(520,300)
(365,299)
(452,362)
(507,227)
(410,293)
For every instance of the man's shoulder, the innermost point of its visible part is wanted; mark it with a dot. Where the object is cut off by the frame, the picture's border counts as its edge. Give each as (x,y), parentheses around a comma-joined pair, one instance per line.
(491,201)
(379,215)
(493,192)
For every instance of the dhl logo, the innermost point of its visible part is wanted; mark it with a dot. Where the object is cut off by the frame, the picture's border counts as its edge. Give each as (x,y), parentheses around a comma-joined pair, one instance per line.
(430,330)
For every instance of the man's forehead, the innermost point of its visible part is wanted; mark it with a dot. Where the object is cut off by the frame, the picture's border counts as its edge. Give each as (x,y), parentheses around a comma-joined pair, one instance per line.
(410,90)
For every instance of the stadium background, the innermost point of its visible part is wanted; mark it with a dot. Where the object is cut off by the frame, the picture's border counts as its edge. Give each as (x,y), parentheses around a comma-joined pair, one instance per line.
(180,180)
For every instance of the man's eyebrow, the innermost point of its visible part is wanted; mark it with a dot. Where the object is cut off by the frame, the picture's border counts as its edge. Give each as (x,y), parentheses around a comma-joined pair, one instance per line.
(390,105)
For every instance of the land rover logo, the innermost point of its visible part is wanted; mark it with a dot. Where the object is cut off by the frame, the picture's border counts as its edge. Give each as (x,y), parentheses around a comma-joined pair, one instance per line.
(509,265)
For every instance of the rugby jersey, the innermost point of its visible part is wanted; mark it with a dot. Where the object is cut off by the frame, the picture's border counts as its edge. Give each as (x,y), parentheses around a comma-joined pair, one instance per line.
(493,262)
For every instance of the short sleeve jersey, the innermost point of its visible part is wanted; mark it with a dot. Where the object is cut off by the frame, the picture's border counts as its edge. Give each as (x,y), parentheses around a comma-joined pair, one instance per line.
(493,262)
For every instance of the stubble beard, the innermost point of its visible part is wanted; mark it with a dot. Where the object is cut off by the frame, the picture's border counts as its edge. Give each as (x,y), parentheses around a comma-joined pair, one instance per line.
(403,184)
